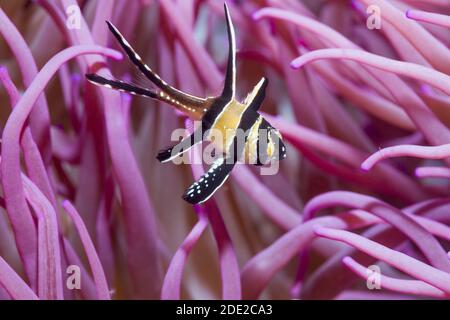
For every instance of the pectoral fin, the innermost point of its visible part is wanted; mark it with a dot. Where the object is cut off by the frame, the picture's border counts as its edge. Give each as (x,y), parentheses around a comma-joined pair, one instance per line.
(181,147)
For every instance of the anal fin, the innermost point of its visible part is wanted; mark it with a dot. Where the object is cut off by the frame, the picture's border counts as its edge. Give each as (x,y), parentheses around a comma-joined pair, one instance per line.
(208,183)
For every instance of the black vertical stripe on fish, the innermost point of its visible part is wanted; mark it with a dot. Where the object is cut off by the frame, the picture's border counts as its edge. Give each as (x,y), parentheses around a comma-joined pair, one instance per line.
(261,145)
(212,114)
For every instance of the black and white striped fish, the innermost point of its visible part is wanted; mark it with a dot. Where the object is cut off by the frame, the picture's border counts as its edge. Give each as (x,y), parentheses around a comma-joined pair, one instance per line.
(259,144)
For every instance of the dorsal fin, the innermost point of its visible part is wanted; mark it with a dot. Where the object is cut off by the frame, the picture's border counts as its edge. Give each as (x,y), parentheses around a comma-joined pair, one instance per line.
(256,97)
(229,89)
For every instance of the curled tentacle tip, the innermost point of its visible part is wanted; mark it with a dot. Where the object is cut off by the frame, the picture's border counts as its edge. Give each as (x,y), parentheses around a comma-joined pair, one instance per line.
(347,260)
(366,166)
(294,64)
(298,62)
(117,55)
(408,13)
(112,53)
(319,230)
(257,15)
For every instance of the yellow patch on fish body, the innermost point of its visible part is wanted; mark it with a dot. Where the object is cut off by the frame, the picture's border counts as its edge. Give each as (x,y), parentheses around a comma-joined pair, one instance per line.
(224,129)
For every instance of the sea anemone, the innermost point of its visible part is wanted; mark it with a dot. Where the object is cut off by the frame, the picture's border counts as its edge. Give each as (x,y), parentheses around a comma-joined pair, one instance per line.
(360,209)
